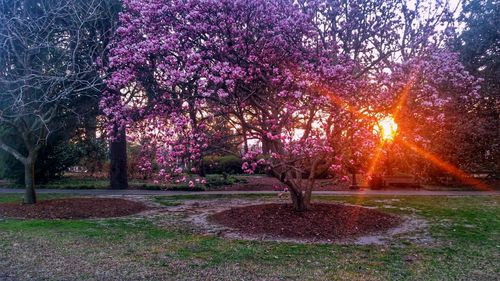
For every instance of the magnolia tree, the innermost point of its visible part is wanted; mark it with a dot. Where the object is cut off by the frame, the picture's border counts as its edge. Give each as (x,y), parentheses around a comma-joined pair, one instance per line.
(439,113)
(412,74)
(282,73)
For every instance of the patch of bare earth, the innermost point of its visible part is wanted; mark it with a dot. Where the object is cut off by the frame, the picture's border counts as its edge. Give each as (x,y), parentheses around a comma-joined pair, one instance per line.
(73,208)
(322,222)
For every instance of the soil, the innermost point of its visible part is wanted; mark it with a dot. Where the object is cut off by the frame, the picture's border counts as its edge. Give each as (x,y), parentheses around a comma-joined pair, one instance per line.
(73,208)
(322,222)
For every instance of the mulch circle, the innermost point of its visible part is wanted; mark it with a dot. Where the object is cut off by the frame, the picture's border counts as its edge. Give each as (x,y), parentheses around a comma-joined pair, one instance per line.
(72,208)
(323,222)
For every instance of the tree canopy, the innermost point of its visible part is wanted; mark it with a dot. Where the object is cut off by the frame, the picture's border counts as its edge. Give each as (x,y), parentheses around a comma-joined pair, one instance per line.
(305,80)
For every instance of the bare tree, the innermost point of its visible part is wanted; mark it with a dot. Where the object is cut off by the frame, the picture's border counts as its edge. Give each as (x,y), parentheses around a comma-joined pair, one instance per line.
(48,53)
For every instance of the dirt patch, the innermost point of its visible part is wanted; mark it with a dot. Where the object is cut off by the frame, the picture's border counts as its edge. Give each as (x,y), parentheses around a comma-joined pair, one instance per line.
(322,222)
(73,208)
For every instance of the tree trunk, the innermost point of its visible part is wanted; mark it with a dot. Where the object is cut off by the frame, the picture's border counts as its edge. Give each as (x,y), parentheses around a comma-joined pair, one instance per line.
(29,182)
(354,184)
(265,147)
(118,158)
(301,201)
(201,168)
(245,141)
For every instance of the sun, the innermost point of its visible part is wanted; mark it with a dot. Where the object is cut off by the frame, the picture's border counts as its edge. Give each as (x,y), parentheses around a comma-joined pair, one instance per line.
(387,128)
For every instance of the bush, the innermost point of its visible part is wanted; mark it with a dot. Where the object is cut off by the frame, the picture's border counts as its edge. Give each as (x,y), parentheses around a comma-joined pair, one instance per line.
(92,155)
(228,164)
(53,160)
(376,182)
(214,181)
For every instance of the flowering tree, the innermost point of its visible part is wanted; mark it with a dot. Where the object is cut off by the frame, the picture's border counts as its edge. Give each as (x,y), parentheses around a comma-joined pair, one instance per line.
(407,55)
(439,113)
(279,72)
(254,63)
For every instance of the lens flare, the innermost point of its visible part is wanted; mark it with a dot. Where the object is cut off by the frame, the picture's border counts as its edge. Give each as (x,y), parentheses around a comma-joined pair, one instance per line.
(387,128)
(447,167)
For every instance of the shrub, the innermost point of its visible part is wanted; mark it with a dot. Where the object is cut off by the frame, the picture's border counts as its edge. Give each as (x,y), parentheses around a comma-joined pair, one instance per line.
(228,164)
(52,161)
(376,182)
(214,181)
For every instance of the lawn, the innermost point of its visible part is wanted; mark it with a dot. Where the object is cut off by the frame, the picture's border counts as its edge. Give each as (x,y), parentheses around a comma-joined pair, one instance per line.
(464,244)
(214,181)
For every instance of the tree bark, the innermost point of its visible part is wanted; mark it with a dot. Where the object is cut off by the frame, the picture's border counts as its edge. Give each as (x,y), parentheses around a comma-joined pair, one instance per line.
(29,182)
(301,201)
(118,158)
(354,183)
(29,168)
(265,147)
(201,168)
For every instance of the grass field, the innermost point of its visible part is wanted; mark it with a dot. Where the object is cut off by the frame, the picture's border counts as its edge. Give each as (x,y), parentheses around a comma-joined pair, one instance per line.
(214,181)
(463,231)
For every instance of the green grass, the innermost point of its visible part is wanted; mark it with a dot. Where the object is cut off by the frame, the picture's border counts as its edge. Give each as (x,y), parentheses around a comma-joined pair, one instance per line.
(464,231)
(493,186)
(175,200)
(69,182)
(18,197)
(167,201)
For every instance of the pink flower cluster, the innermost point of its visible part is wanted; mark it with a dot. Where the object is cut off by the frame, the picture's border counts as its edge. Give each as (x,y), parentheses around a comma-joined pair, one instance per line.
(276,70)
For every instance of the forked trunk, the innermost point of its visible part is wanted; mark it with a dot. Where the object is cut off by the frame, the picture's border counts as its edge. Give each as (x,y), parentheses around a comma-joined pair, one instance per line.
(29,183)
(301,200)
